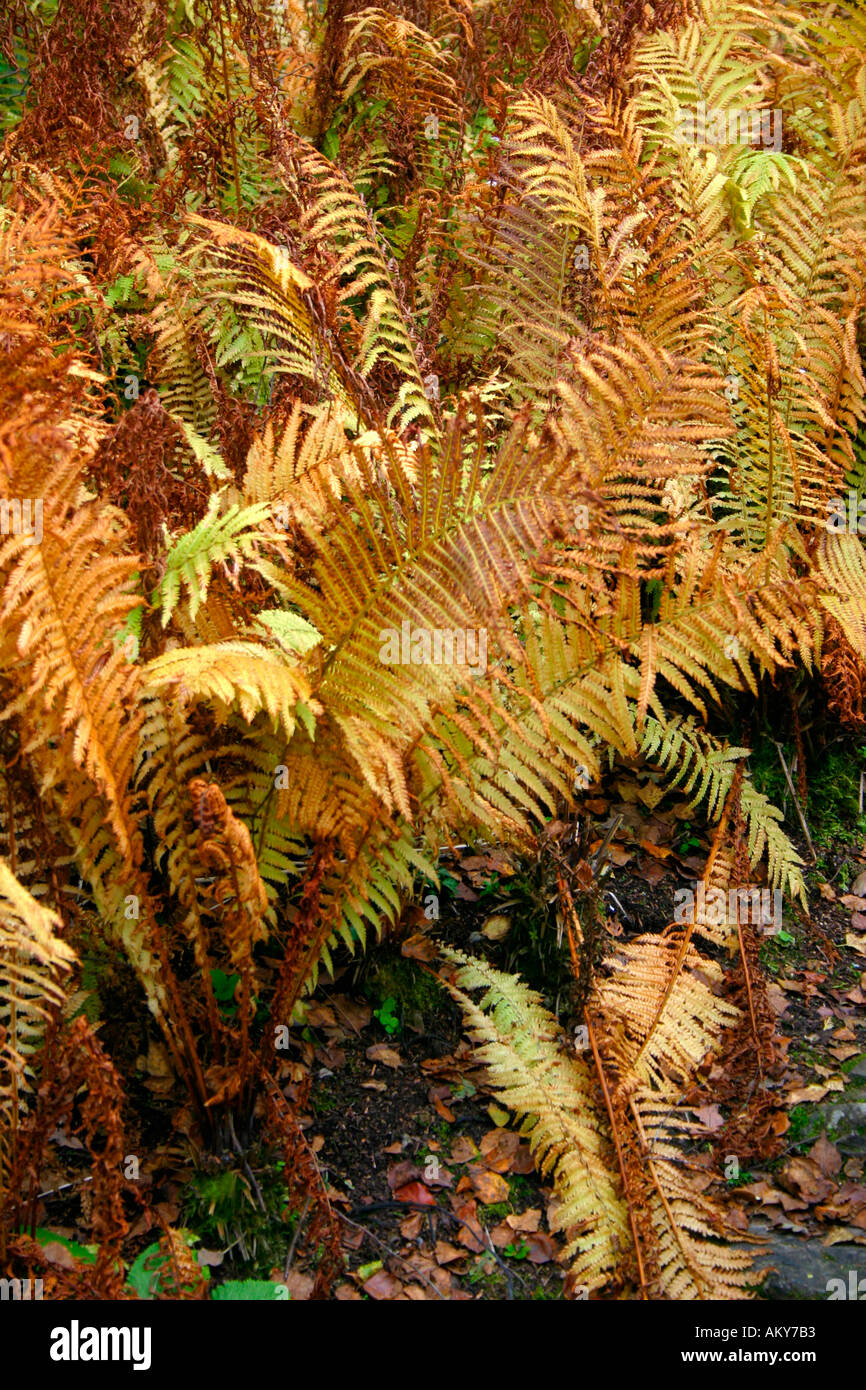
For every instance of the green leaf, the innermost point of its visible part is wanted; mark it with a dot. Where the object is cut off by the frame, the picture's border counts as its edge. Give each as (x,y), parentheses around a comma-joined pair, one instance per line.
(292,631)
(250,1291)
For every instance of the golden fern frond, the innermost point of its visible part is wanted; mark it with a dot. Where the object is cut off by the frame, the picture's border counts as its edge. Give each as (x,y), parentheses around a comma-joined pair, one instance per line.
(841,570)
(33,959)
(553,1091)
(64,600)
(660,1049)
(246,675)
(273,293)
(335,212)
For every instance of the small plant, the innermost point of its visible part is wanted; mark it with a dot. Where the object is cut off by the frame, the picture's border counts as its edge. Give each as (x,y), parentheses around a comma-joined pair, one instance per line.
(387,1017)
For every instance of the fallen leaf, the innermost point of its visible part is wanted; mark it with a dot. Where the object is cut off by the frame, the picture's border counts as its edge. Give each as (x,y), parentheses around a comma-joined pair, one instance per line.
(653,873)
(496,927)
(58,1254)
(321,1016)
(419,947)
(498,1147)
(857,943)
(844,1052)
(400,1173)
(442,1109)
(300,1286)
(373,1086)
(348,1293)
(827,891)
(446,1253)
(415,1192)
(383,1286)
(855,903)
(800,1095)
(541,1248)
(381,1052)
(463,1149)
(804,1175)
(471,1234)
(356,1012)
(826,1155)
(776,999)
(488,1187)
(709,1117)
(524,1220)
(410,1226)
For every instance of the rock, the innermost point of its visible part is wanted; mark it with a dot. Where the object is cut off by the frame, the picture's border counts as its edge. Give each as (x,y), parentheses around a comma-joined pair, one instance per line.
(844,1121)
(804,1267)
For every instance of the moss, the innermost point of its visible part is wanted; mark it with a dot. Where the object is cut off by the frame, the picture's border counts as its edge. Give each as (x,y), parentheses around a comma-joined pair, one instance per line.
(416,995)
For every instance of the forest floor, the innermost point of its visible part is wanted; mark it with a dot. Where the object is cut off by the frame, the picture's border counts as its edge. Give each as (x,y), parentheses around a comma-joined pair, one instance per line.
(436,1195)
(399,1116)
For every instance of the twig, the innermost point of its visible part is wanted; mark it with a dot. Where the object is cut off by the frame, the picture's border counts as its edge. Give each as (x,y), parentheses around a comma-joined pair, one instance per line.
(598,857)
(416,1273)
(796,802)
(447,1216)
(247,1169)
(290,1255)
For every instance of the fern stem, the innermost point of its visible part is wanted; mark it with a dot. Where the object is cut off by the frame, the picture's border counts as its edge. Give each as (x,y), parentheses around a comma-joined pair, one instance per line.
(232,134)
(619,1154)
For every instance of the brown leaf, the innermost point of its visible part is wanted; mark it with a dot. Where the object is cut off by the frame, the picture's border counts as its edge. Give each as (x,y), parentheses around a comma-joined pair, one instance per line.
(300,1286)
(410,1226)
(541,1248)
(801,1094)
(463,1149)
(382,1286)
(419,947)
(488,1187)
(355,1012)
(401,1173)
(498,1147)
(381,1052)
(415,1192)
(57,1254)
(826,1155)
(524,1220)
(709,1117)
(851,900)
(321,1015)
(471,1234)
(446,1253)
(827,891)
(804,1176)
(348,1293)
(442,1109)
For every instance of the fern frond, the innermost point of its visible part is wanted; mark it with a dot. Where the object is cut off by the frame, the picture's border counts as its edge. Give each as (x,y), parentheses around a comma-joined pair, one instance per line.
(553,1092)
